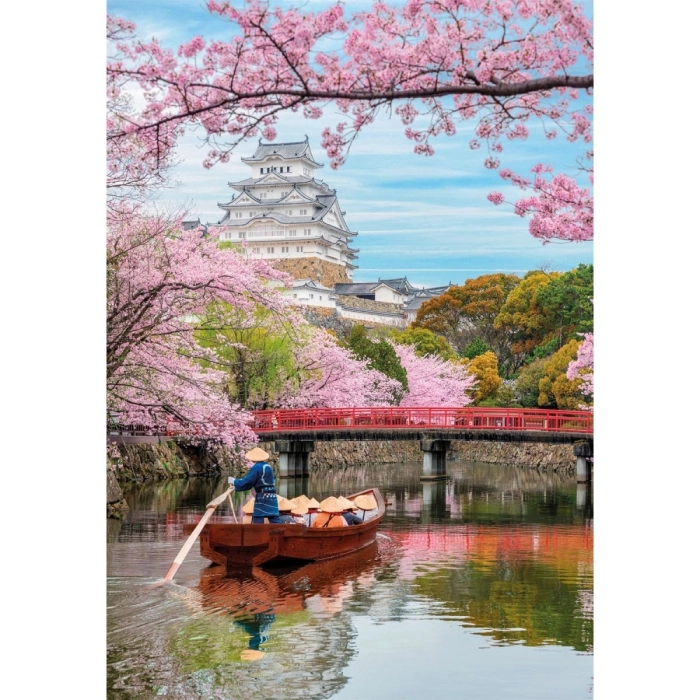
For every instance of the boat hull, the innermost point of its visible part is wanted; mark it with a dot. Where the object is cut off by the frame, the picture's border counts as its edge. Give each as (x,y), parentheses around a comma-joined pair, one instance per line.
(232,544)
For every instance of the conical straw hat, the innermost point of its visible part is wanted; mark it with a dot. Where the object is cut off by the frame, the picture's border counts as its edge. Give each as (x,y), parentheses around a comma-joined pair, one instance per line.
(331,505)
(257,454)
(300,500)
(248,507)
(300,510)
(283,503)
(346,503)
(313,503)
(366,502)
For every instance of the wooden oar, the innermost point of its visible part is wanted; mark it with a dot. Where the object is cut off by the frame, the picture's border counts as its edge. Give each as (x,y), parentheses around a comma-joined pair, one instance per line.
(211,507)
(233,509)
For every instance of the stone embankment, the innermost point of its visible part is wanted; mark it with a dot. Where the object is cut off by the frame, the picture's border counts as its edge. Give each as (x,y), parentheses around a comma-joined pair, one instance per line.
(171,460)
(167,460)
(321,271)
(344,453)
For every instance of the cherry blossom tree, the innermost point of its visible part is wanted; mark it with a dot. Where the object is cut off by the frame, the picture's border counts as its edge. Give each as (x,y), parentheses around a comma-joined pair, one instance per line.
(433,381)
(161,279)
(329,376)
(495,67)
(582,367)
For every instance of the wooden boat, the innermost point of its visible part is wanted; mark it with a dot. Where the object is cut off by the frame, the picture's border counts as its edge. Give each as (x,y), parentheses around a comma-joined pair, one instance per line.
(231,544)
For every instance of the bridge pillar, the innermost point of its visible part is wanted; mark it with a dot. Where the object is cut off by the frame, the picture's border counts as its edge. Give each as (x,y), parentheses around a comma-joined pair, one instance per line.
(294,457)
(292,487)
(583,451)
(434,459)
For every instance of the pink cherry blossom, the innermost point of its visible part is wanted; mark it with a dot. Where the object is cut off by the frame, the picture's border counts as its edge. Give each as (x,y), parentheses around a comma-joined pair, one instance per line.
(503,66)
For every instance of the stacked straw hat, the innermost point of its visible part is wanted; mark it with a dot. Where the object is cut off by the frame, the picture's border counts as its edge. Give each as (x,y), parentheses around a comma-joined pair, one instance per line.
(257,454)
(332,505)
(283,503)
(300,500)
(366,502)
(313,503)
(300,510)
(249,506)
(347,505)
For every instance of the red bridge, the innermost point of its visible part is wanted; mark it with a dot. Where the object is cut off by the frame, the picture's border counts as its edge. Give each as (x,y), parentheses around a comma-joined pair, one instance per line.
(422,419)
(295,432)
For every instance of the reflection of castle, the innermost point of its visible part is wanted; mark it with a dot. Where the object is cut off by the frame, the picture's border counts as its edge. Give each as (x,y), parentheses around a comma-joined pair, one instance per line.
(283,213)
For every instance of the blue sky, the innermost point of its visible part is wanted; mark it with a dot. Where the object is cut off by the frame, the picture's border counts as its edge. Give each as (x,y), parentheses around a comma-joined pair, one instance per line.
(423,217)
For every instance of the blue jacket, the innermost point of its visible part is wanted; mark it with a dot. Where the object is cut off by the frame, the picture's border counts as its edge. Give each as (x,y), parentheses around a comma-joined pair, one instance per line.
(261,478)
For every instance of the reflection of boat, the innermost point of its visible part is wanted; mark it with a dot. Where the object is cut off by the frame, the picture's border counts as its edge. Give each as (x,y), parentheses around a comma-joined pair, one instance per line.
(233,544)
(256,591)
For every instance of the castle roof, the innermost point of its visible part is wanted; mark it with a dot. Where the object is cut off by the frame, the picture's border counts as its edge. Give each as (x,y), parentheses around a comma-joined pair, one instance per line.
(284,179)
(291,150)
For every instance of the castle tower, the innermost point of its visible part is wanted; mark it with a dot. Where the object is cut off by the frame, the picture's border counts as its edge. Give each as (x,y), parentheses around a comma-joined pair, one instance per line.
(283,213)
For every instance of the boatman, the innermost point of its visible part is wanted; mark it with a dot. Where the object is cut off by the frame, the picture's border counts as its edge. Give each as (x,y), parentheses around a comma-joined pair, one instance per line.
(261,478)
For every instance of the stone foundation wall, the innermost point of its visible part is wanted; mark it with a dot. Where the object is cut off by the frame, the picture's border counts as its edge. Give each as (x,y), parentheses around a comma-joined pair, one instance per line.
(344,453)
(326,273)
(352,302)
(174,461)
(167,460)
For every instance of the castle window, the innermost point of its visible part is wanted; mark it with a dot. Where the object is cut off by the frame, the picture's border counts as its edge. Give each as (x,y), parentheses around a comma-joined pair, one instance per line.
(311,296)
(262,170)
(256,251)
(239,214)
(302,212)
(288,212)
(300,249)
(270,250)
(241,234)
(250,214)
(285,248)
(307,231)
(293,232)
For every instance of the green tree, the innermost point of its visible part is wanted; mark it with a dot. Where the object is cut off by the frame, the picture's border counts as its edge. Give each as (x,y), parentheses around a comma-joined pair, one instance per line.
(475,348)
(567,303)
(522,315)
(255,348)
(380,353)
(424,342)
(527,384)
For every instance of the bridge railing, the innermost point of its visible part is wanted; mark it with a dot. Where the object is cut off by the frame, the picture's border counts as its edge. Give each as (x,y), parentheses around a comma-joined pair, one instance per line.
(393,418)
(397,418)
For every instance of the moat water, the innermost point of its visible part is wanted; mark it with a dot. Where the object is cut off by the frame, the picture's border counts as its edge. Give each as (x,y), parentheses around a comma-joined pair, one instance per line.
(479,587)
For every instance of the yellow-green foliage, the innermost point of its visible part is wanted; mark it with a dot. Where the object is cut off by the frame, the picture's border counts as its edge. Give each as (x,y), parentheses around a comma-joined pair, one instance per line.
(424,341)
(522,313)
(555,389)
(485,369)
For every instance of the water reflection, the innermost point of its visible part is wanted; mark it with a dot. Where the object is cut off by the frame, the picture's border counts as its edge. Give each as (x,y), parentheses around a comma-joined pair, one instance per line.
(506,555)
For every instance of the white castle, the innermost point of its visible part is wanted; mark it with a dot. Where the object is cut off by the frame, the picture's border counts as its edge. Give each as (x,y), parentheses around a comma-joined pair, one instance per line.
(283,213)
